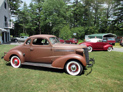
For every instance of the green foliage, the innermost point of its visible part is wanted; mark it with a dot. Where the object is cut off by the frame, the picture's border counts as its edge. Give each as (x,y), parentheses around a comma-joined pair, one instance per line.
(65,32)
(84,17)
(14,5)
(23,34)
(79,32)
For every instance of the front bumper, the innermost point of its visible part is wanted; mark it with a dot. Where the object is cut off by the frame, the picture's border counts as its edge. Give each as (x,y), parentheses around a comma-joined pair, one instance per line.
(2,57)
(91,63)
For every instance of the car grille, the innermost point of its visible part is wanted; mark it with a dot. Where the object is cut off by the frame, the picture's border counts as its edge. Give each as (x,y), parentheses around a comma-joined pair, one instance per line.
(86,55)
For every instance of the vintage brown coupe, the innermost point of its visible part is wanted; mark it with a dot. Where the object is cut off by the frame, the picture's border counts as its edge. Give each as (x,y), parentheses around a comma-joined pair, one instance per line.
(47,51)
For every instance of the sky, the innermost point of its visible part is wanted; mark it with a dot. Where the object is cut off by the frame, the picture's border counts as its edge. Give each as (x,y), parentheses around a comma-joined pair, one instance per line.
(28,1)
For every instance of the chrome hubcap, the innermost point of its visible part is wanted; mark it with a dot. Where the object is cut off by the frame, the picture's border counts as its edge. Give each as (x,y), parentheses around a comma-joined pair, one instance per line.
(15,61)
(73,68)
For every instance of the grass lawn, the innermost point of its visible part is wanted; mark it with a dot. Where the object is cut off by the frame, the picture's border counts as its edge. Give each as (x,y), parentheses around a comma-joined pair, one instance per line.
(107,76)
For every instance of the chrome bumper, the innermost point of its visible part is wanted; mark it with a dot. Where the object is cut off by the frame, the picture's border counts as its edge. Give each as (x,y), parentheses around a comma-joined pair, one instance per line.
(91,63)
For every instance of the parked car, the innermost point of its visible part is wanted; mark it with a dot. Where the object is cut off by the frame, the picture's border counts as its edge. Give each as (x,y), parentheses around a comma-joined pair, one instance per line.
(61,40)
(111,40)
(22,38)
(121,41)
(71,41)
(97,44)
(15,39)
(47,51)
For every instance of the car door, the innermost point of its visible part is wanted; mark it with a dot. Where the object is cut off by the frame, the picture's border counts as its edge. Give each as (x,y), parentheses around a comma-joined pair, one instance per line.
(99,45)
(26,49)
(40,51)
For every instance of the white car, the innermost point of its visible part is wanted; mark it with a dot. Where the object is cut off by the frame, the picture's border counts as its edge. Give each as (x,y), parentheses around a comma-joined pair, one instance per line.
(22,38)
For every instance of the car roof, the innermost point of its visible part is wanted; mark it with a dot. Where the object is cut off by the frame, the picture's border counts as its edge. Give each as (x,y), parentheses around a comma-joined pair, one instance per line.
(42,35)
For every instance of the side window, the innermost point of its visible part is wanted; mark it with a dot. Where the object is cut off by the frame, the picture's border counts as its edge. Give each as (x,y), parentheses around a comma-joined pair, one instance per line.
(40,41)
(22,37)
(5,5)
(28,41)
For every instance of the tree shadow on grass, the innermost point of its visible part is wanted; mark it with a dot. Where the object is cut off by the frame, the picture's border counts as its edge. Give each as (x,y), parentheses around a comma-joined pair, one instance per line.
(40,68)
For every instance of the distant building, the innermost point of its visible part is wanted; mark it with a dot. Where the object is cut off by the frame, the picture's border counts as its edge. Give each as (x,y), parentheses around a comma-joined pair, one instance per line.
(5,24)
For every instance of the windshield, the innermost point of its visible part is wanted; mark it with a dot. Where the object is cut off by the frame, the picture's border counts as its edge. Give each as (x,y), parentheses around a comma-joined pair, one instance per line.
(111,39)
(54,40)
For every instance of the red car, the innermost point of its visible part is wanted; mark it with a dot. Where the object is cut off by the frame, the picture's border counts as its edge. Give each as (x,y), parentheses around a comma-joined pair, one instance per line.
(97,44)
(71,41)
(111,40)
(61,40)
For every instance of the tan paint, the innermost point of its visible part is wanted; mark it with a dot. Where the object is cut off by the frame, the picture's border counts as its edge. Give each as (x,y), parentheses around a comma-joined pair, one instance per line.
(55,54)
(60,62)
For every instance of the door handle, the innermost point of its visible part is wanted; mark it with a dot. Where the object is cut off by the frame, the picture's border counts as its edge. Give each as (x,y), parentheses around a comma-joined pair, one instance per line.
(31,49)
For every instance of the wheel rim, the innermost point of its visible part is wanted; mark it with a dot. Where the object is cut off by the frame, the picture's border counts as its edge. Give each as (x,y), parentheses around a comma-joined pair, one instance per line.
(73,68)
(15,61)
(89,49)
(109,49)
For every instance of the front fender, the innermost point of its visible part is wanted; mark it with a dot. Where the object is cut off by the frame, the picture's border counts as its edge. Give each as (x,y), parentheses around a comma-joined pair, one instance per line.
(60,62)
(14,52)
(106,46)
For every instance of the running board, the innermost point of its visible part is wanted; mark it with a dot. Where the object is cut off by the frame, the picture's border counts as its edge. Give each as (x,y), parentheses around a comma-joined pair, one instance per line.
(38,64)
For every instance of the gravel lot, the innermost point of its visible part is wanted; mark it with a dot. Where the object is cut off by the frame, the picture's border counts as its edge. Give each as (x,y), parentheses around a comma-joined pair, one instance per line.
(118,49)
(15,43)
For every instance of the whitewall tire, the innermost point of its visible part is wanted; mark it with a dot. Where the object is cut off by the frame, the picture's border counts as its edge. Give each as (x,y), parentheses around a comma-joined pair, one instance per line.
(109,49)
(74,68)
(90,49)
(15,62)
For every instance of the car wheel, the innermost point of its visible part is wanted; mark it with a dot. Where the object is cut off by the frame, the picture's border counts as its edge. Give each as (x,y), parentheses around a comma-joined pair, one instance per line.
(109,49)
(74,68)
(121,44)
(15,62)
(16,40)
(90,49)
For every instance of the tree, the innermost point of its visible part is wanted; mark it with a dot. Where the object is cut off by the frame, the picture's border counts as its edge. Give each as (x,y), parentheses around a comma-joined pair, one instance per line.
(118,13)
(55,15)
(65,32)
(14,5)
(24,17)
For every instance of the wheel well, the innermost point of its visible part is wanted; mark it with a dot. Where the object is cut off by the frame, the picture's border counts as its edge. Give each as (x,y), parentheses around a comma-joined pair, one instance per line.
(12,56)
(74,60)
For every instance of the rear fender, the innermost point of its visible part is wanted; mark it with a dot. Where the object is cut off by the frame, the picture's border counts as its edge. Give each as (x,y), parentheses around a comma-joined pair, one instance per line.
(14,52)
(106,46)
(60,62)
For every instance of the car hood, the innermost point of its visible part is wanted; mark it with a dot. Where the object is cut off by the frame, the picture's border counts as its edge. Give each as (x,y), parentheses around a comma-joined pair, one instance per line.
(15,48)
(68,46)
